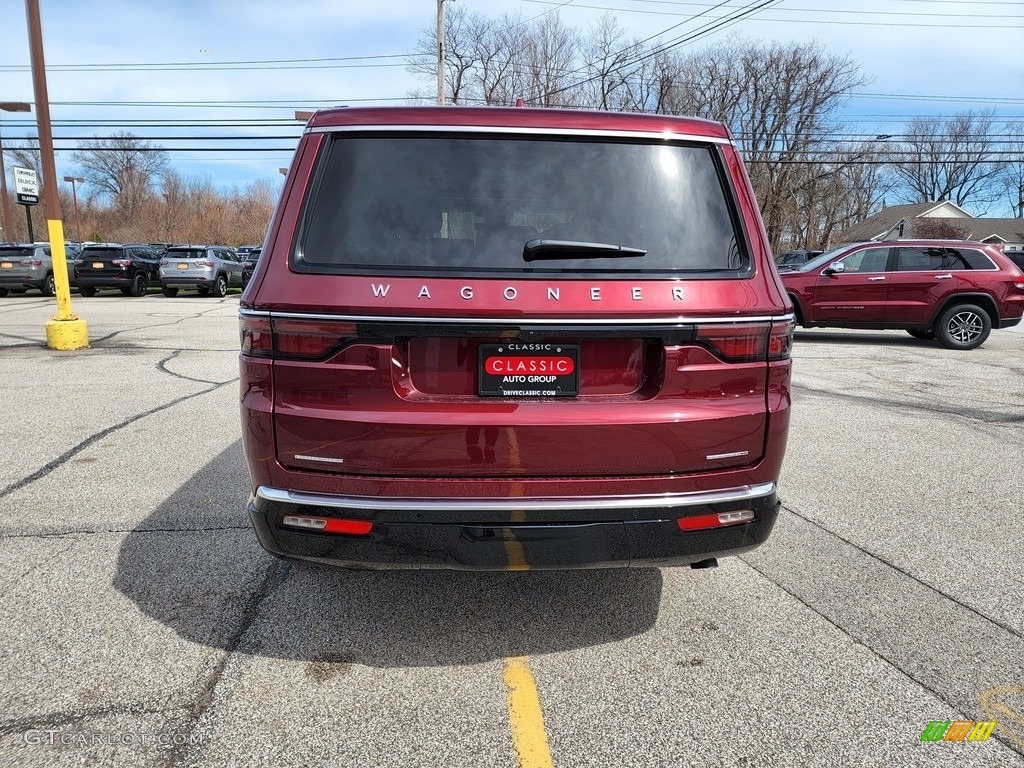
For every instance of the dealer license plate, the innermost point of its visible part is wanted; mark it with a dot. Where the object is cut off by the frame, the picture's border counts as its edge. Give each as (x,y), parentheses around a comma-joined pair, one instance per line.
(97,265)
(522,369)
(6,265)
(182,265)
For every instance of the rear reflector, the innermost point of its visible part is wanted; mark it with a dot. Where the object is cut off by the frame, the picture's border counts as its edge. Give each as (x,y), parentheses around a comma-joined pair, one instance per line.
(715,520)
(329,524)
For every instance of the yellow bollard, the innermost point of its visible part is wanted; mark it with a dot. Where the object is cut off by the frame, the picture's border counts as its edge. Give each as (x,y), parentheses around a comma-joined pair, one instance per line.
(65,330)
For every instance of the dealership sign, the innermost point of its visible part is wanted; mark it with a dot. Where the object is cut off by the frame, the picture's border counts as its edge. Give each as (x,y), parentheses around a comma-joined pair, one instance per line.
(26,186)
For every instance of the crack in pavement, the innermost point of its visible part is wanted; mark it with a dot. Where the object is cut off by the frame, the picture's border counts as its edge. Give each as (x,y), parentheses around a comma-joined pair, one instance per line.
(968,414)
(56,719)
(945,646)
(46,561)
(1005,627)
(97,436)
(162,367)
(277,573)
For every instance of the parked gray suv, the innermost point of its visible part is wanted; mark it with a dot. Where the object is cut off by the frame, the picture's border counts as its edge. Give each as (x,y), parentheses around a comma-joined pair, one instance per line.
(29,265)
(205,268)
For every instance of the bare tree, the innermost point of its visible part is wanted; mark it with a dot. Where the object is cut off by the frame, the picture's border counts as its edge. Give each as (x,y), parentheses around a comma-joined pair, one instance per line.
(461,31)
(551,62)
(941,229)
(1011,177)
(610,62)
(949,159)
(780,100)
(122,166)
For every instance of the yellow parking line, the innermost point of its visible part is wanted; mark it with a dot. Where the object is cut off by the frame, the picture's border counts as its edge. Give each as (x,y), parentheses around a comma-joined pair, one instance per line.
(525,716)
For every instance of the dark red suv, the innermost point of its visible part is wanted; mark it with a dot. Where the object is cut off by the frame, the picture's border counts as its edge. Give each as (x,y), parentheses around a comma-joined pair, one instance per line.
(511,338)
(951,290)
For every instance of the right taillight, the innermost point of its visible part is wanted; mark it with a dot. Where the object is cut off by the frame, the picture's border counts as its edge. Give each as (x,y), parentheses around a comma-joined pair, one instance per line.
(736,343)
(288,339)
(747,342)
(780,340)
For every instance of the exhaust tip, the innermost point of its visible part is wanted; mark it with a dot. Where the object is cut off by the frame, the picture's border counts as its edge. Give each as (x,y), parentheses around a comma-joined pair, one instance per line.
(711,562)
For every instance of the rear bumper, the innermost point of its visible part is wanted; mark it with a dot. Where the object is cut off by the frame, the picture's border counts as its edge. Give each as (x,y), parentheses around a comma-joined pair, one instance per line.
(101,281)
(515,534)
(195,282)
(22,281)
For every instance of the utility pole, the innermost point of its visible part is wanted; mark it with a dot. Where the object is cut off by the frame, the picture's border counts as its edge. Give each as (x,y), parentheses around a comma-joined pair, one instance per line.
(440,53)
(66,330)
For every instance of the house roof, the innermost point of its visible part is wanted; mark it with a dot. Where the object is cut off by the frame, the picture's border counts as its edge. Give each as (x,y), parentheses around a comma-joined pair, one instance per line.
(1007,230)
(882,223)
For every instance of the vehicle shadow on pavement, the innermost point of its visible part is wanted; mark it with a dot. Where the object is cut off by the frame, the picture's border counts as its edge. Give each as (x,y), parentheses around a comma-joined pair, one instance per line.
(195,566)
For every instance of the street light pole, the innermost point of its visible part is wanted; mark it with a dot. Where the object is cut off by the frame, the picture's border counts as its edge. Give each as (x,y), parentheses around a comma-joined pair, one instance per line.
(65,330)
(8,106)
(74,196)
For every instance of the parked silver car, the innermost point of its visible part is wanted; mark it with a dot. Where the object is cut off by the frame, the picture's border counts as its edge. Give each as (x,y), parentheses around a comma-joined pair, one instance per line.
(205,268)
(29,265)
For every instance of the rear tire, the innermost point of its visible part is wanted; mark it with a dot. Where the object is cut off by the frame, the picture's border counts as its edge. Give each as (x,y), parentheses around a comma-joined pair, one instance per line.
(964,326)
(923,335)
(203,290)
(220,287)
(139,284)
(169,292)
(87,290)
(49,287)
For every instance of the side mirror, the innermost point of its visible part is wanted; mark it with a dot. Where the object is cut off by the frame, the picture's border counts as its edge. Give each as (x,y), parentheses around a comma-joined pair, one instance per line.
(835,268)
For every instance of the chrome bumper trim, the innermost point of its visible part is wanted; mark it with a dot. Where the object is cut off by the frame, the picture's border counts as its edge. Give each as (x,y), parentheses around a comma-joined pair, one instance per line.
(666,500)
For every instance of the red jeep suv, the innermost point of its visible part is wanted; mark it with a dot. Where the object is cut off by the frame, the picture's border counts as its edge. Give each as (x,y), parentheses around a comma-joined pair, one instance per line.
(505,339)
(951,290)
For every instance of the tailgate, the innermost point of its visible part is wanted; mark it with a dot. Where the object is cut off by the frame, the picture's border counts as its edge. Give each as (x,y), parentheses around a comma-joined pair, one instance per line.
(387,399)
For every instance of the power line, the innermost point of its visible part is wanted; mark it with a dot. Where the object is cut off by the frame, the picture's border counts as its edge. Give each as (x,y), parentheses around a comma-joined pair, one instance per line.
(795,10)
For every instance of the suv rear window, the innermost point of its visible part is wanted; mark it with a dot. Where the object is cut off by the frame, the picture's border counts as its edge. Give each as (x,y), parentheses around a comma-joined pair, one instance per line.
(469,204)
(102,253)
(185,253)
(15,253)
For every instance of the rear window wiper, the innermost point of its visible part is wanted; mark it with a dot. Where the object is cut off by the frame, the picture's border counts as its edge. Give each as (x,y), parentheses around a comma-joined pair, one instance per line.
(573,249)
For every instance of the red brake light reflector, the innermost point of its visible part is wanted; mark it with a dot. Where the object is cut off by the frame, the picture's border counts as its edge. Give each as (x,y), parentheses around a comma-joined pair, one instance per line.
(341,525)
(715,520)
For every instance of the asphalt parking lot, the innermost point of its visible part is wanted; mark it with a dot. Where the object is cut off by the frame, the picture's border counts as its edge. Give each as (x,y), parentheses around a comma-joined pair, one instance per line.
(142,625)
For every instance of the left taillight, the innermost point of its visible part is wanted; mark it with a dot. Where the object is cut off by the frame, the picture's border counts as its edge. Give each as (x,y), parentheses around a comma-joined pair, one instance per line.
(287,339)
(257,340)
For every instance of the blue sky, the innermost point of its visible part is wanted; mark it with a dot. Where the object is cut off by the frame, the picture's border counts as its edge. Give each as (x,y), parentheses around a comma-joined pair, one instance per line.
(925,58)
